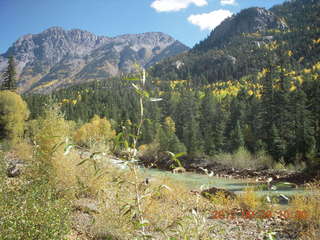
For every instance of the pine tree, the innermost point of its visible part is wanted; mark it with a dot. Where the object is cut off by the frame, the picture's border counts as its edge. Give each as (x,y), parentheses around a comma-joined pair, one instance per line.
(168,139)
(236,138)
(219,128)
(276,146)
(9,82)
(233,128)
(304,137)
(266,113)
(207,123)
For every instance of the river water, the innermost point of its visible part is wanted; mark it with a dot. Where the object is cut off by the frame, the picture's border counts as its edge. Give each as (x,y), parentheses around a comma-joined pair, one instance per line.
(197,181)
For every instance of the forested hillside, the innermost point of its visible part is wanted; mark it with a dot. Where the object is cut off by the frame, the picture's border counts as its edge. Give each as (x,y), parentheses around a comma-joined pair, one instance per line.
(245,43)
(259,90)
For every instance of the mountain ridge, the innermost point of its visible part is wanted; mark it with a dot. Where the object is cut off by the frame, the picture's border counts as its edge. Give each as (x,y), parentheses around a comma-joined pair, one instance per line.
(249,20)
(231,55)
(57,57)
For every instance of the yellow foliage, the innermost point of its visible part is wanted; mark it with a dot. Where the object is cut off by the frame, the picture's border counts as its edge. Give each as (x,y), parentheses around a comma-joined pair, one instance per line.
(170,124)
(263,73)
(49,130)
(173,84)
(316,66)
(290,53)
(316,41)
(292,73)
(307,71)
(48,84)
(13,114)
(250,199)
(293,88)
(299,79)
(306,207)
(98,130)
(272,46)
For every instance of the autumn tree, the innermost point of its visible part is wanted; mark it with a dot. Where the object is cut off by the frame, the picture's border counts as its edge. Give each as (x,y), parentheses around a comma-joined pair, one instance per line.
(13,114)
(98,130)
(168,139)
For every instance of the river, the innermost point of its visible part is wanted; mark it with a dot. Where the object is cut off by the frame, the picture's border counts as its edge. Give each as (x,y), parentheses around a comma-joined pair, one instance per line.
(195,181)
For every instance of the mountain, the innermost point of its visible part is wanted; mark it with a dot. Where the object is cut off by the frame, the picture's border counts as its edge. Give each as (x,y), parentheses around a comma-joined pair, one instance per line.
(56,57)
(248,42)
(258,89)
(247,21)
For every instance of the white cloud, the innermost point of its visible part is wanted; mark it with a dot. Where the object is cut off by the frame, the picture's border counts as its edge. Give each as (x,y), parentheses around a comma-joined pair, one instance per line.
(208,21)
(175,5)
(228,2)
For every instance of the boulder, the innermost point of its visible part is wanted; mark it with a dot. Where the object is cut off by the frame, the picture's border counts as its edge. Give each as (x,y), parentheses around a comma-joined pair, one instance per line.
(179,170)
(13,171)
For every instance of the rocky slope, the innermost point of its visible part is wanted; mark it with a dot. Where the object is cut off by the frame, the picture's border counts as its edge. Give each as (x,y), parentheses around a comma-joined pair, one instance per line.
(249,20)
(234,49)
(56,57)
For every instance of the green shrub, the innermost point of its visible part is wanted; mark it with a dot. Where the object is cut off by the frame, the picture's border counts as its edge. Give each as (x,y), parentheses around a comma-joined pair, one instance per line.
(242,158)
(30,207)
(13,114)
(32,212)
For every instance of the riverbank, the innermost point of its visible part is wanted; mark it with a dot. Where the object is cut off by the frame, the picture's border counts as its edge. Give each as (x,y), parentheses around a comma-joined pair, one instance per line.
(106,208)
(211,168)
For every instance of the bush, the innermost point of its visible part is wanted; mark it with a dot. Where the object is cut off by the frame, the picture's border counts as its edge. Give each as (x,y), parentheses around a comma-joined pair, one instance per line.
(308,205)
(76,177)
(97,131)
(49,131)
(244,159)
(32,212)
(13,114)
(30,207)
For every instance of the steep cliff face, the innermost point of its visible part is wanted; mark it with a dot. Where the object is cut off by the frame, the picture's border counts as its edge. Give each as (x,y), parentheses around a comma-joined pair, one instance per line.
(247,21)
(56,57)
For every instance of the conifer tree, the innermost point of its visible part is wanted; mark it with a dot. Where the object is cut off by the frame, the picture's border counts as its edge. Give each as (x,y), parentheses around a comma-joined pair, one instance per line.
(304,137)
(267,107)
(233,128)
(207,123)
(236,138)
(168,139)
(9,81)
(219,128)
(275,144)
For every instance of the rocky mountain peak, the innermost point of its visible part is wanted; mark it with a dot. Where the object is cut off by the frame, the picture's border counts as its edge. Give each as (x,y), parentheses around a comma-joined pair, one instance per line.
(249,20)
(58,55)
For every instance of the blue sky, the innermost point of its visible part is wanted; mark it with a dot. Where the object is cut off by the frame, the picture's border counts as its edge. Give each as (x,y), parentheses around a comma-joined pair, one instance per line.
(189,21)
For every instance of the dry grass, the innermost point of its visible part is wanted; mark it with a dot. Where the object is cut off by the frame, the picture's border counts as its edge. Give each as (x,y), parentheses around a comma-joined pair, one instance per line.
(23,150)
(80,177)
(167,208)
(309,206)
(249,199)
